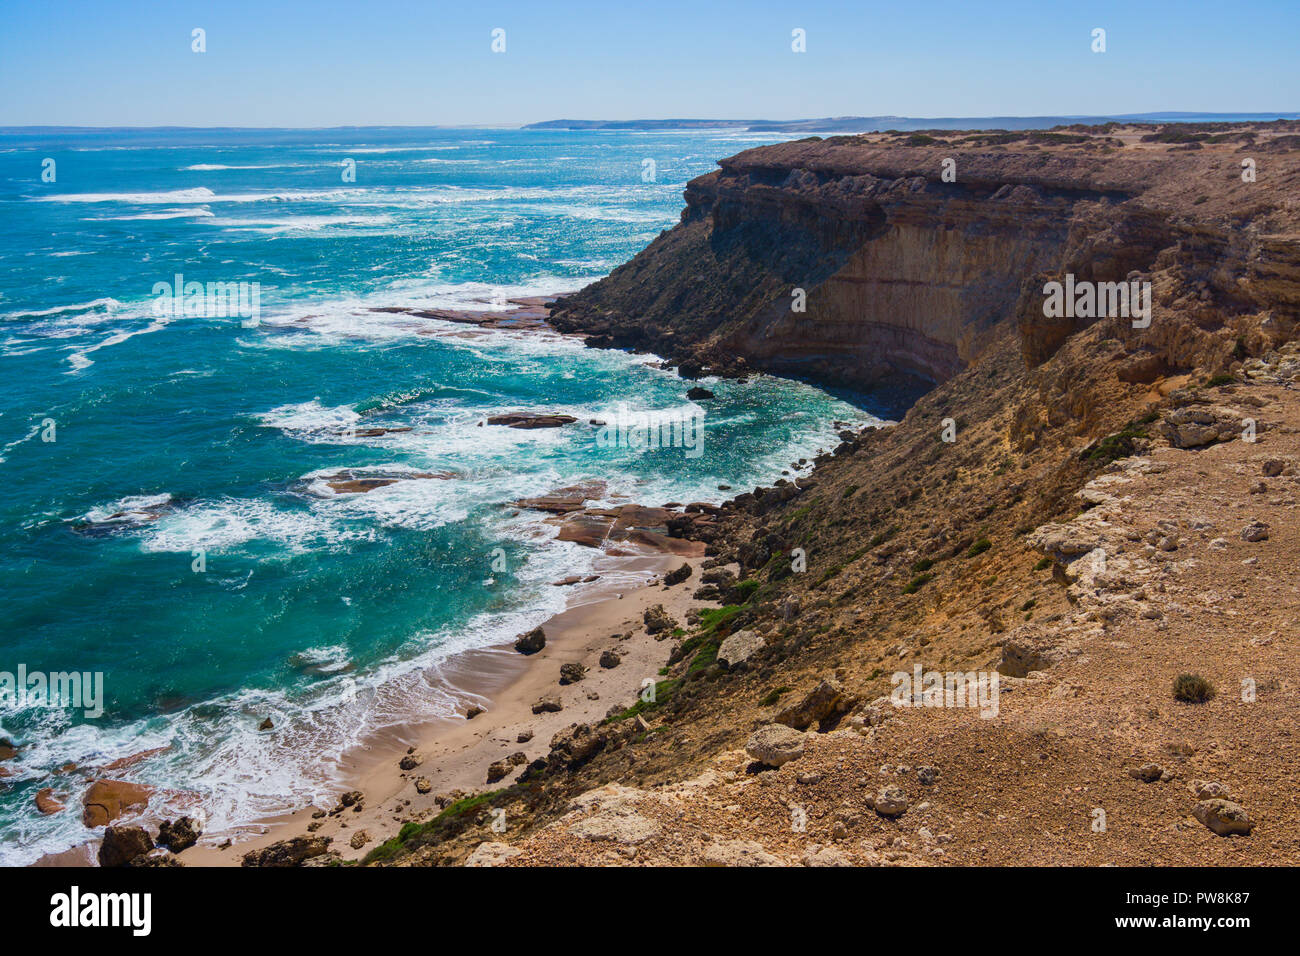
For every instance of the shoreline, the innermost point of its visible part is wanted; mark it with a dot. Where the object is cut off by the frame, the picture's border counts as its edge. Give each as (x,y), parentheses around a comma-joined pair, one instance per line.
(455,753)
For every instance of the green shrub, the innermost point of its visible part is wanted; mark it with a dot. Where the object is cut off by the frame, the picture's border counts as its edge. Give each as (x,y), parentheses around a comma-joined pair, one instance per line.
(925,564)
(979,547)
(918,582)
(1043,565)
(1193,689)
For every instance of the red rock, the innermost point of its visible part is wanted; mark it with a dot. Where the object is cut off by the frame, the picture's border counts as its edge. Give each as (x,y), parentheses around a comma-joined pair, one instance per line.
(106,800)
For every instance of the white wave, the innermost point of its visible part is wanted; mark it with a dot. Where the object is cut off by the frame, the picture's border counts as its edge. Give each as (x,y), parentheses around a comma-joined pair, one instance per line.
(105,303)
(196,213)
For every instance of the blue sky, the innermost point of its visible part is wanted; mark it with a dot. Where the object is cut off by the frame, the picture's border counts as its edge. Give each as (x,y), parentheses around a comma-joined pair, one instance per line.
(427,62)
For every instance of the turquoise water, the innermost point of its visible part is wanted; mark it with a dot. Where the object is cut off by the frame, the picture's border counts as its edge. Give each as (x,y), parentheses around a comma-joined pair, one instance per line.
(181,440)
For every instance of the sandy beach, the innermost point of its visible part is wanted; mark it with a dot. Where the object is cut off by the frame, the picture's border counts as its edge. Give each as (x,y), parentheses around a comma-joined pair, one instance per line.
(454,753)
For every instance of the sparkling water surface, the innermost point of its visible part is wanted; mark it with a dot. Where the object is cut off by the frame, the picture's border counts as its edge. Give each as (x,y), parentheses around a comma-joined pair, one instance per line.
(184,442)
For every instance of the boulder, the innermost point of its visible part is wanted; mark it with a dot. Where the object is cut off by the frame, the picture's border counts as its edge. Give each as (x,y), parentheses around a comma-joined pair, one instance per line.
(532,642)
(823,701)
(1224,817)
(1195,426)
(1209,790)
(499,771)
(106,800)
(549,704)
(1147,773)
(775,745)
(529,420)
(121,845)
(359,839)
(47,802)
(737,853)
(291,852)
(1255,531)
(739,647)
(657,620)
(572,672)
(180,834)
(890,801)
(610,659)
(678,576)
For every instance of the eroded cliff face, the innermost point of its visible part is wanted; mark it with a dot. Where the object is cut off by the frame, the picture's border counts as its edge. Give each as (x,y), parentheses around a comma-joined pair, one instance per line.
(904,273)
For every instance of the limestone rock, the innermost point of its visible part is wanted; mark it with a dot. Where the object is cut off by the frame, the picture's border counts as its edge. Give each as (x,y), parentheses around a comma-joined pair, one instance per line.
(180,834)
(775,745)
(891,801)
(739,647)
(491,853)
(737,853)
(1224,817)
(628,829)
(532,642)
(293,852)
(122,845)
(824,700)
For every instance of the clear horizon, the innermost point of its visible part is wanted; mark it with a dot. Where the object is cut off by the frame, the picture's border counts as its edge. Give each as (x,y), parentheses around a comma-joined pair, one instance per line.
(326,65)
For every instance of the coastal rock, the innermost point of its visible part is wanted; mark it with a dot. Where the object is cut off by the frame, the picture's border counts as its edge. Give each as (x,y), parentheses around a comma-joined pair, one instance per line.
(47,802)
(697,393)
(549,704)
(180,834)
(532,642)
(1255,531)
(1147,773)
(499,771)
(359,839)
(106,800)
(610,659)
(739,647)
(890,801)
(1209,790)
(578,743)
(423,785)
(266,724)
(491,853)
(122,845)
(1224,817)
(410,761)
(657,620)
(572,672)
(628,829)
(678,575)
(737,853)
(1194,426)
(292,852)
(529,420)
(775,745)
(823,701)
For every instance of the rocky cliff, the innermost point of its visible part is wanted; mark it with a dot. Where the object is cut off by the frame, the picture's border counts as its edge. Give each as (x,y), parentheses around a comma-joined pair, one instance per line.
(965,538)
(907,256)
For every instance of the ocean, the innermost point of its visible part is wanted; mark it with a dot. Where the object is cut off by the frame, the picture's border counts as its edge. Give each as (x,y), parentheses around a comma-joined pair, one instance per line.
(164,499)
